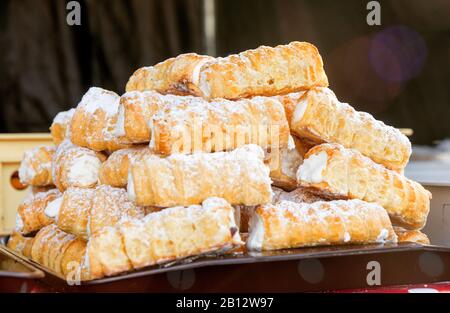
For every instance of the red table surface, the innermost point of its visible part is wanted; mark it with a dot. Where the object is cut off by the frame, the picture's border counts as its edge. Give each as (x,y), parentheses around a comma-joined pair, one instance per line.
(442,287)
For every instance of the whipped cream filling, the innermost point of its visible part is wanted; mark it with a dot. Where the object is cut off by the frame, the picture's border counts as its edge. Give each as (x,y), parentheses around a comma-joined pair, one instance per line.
(84,171)
(256,233)
(384,233)
(196,72)
(53,207)
(299,111)
(130,187)
(311,171)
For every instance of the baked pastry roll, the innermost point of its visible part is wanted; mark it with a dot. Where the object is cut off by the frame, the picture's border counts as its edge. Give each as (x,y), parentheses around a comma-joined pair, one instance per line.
(94,121)
(17,242)
(31,216)
(284,162)
(114,171)
(83,212)
(416,236)
(264,71)
(293,225)
(332,170)
(75,166)
(61,252)
(165,236)
(319,116)
(239,176)
(192,124)
(60,128)
(299,195)
(36,166)
(135,111)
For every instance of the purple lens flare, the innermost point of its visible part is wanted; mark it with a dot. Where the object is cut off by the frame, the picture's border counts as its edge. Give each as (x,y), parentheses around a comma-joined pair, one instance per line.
(398,54)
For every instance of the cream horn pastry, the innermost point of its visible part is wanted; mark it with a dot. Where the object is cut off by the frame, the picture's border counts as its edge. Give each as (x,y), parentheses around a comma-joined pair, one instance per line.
(75,166)
(114,171)
(31,216)
(332,170)
(83,212)
(284,162)
(36,166)
(60,128)
(299,195)
(17,242)
(239,176)
(265,71)
(192,124)
(405,235)
(94,121)
(135,111)
(161,237)
(59,251)
(293,225)
(320,117)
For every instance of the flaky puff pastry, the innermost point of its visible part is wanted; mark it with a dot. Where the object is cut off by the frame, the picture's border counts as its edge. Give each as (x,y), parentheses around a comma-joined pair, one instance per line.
(264,71)
(59,251)
(31,216)
(94,121)
(319,116)
(83,212)
(75,166)
(292,225)
(135,111)
(284,162)
(114,171)
(168,235)
(416,236)
(239,176)
(36,166)
(332,170)
(20,244)
(299,195)
(192,124)
(60,128)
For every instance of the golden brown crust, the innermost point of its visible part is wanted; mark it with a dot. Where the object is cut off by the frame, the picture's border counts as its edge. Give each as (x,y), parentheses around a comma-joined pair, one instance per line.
(31,211)
(164,236)
(239,176)
(265,71)
(94,121)
(319,116)
(114,171)
(60,128)
(36,166)
(347,173)
(57,250)
(291,225)
(416,236)
(84,212)
(135,111)
(192,124)
(20,244)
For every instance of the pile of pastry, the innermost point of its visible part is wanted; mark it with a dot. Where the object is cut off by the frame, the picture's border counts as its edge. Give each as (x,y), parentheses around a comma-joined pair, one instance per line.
(202,153)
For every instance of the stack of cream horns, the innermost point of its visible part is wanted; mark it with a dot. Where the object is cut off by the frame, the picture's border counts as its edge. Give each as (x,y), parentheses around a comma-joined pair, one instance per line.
(202,153)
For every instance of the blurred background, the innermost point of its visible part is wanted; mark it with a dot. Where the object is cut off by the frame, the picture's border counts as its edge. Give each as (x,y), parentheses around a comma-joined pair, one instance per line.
(398,71)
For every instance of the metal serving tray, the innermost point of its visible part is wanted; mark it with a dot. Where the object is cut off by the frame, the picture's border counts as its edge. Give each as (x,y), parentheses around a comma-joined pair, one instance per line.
(15,273)
(296,270)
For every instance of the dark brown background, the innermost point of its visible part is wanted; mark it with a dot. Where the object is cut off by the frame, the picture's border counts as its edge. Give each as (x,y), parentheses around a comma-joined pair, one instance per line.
(46,66)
